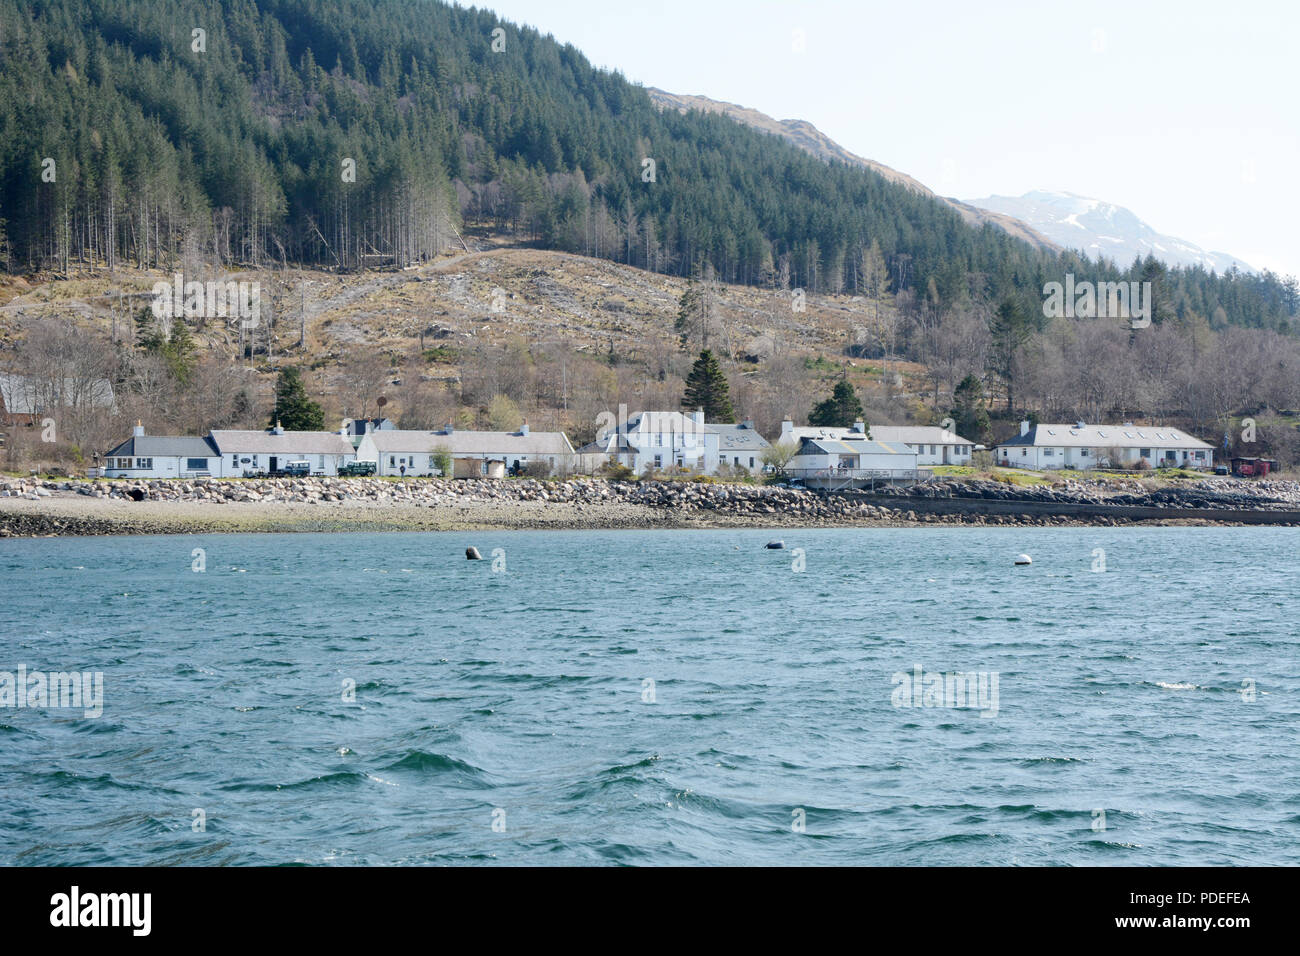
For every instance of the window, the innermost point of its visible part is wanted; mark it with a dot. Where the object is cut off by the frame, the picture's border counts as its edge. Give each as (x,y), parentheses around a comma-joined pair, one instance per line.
(1049,452)
(322,462)
(144,463)
(1085,452)
(392,462)
(196,464)
(234,461)
(1145,452)
(751,461)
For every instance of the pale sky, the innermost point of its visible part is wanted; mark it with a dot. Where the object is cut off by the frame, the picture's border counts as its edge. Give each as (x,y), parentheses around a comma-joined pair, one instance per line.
(1184,112)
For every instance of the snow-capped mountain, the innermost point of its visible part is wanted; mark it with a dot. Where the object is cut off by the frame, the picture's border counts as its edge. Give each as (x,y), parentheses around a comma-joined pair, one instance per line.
(1102,229)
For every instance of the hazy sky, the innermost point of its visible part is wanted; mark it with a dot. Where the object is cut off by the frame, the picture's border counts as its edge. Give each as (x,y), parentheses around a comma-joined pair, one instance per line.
(1184,112)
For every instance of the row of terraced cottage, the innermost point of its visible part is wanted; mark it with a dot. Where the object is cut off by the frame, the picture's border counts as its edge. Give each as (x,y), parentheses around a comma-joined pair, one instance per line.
(646,440)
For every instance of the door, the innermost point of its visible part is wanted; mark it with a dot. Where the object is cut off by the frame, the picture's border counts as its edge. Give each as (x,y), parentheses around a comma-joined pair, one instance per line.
(273,460)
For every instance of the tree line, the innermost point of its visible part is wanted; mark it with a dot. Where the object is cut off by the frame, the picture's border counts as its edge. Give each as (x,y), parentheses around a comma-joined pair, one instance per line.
(346,134)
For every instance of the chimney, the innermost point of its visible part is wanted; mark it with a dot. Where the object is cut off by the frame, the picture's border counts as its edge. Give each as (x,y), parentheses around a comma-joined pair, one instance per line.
(138,431)
(278,429)
(450,429)
(787,430)
(523,429)
(747,423)
(370,427)
(698,416)
(1024,427)
(860,427)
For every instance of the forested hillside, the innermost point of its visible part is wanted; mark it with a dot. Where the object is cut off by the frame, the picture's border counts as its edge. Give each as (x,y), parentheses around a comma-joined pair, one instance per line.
(128,138)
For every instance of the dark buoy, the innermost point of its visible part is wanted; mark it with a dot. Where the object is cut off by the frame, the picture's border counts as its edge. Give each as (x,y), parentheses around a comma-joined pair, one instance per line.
(775,545)
(471,554)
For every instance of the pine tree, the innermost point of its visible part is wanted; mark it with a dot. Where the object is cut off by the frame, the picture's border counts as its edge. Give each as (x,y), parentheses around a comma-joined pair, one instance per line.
(706,387)
(179,351)
(1010,330)
(841,410)
(294,409)
(970,411)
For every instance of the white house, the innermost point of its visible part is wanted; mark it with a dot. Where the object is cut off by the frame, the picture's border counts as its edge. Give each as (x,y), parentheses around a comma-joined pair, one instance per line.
(1098,446)
(933,445)
(850,460)
(411,452)
(740,446)
(658,439)
(162,456)
(272,449)
(677,440)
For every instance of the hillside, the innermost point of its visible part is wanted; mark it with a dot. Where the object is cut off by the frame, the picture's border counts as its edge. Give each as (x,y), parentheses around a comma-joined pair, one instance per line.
(812,140)
(562,337)
(348,135)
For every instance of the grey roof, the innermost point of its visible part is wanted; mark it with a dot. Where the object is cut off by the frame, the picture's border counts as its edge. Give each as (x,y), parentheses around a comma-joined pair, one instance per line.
(799,433)
(164,446)
(289,443)
(610,444)
(1105,436)
(28,396)
(917,435)
(742,437)
(470,442)
(858,446)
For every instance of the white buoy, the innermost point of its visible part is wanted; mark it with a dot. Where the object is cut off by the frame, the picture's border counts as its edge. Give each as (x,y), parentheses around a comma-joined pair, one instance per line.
(1024,559)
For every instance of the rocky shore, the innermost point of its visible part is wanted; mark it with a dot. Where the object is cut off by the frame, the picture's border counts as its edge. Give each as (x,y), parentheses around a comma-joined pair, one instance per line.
(36,507)
(1234,493)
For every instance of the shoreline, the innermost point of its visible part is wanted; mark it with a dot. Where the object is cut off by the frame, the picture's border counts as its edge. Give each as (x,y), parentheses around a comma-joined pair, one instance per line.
(30,508)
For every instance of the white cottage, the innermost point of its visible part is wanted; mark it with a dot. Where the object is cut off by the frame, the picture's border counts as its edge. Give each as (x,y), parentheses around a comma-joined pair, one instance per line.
(162,456)
(273,449)
(411,452)
(852,459)
(677,440)
(658,439)
(1083,446)
(933,445)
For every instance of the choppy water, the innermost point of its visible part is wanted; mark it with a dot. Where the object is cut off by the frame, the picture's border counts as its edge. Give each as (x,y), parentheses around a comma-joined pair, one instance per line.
(520,697)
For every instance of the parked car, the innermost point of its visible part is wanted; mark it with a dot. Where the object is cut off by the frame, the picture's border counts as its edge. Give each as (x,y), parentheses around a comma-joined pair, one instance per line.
(357,469)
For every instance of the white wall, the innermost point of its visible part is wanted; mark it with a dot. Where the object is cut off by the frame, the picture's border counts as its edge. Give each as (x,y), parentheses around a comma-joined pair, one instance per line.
(1047,457)
(164,467)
